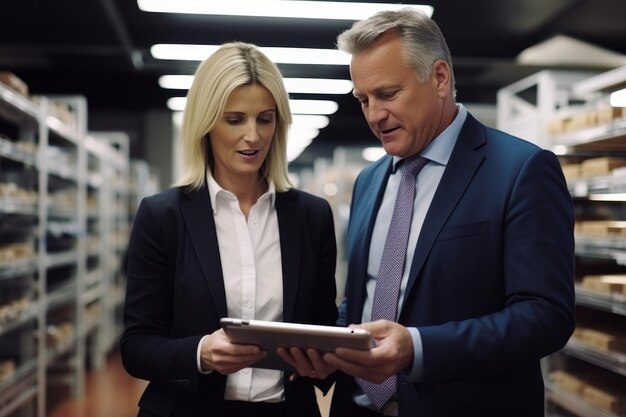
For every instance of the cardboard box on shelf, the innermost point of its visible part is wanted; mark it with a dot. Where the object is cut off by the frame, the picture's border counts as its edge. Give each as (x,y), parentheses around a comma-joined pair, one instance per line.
(604,340)
(601,166)
(605,283)
(607,397)
(571,171)
(601,228)
(14,82)
(606,115)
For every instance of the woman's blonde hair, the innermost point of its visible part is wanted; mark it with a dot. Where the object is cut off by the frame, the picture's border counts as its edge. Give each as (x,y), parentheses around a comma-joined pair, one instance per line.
(234,64)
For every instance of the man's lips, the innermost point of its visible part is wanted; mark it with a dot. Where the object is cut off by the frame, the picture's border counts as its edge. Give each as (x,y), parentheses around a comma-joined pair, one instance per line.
(388,131)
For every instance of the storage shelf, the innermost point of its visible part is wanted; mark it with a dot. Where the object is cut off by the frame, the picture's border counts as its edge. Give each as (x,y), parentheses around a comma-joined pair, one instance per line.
(18,104)
(16,206)
(10,151)
(26,316)
(560,97)
(60,259)
(73,214)
(17,268)
(613,303)
(574,403)
(612,361)
(607,184)
(62,295)
(603,247)
(18,390)
(24,372)
(609,137)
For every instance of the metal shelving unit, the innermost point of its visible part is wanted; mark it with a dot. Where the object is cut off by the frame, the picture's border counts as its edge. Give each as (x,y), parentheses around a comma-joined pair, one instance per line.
(555,94)
(63,229)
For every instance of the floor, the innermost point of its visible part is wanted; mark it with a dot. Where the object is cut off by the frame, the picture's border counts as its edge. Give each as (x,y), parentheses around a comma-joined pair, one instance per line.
(110,391)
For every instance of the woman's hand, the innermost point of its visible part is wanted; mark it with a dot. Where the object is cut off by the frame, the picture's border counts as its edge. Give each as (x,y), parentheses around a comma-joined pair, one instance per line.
(309,363)
(217,353)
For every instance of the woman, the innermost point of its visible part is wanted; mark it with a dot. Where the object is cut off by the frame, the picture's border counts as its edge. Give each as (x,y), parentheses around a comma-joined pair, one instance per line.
(232,238)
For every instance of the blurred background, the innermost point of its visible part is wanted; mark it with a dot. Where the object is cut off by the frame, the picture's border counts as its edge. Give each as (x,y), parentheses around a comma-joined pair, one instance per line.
(91,94)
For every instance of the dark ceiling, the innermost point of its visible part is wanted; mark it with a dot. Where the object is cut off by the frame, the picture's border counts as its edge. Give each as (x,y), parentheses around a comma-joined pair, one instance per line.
(86,47)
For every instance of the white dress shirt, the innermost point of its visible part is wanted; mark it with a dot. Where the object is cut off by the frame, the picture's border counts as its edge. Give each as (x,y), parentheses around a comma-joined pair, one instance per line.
(252,269)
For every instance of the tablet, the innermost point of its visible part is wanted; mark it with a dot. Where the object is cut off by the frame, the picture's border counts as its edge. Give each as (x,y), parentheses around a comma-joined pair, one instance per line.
(269,335)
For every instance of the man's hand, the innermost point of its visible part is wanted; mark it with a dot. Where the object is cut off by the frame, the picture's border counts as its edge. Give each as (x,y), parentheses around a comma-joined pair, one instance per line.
(392,354)
(219,354)
(307,363)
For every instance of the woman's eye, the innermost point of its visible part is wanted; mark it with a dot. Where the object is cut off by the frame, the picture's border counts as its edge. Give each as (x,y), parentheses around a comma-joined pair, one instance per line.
(233,121)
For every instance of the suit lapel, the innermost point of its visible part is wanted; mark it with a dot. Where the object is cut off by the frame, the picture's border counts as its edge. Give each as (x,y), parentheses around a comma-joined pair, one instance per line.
(464,161)
(290,232)
(197,213)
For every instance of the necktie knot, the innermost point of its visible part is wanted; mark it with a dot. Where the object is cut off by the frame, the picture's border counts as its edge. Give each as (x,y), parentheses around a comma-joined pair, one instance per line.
(414,164)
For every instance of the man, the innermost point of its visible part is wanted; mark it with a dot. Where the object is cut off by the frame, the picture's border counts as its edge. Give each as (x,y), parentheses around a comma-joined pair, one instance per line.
(487,287)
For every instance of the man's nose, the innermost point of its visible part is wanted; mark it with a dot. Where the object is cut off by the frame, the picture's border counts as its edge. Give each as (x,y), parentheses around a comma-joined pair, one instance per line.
(375,113)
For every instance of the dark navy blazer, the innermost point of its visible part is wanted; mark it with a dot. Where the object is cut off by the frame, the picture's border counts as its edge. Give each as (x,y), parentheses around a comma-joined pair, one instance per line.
(175,295)
(491,286)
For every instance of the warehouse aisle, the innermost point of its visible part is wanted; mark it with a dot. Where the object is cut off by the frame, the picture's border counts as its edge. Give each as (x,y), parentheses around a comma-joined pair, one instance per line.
(109,391)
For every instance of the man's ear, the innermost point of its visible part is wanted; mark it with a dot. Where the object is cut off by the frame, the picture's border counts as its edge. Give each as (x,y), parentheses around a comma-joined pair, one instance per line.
(441,77)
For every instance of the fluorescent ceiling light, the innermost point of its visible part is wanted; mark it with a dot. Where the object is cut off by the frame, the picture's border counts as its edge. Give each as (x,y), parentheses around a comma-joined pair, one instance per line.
(618,98)
(314,121)
(298,138)
(176,82)
(298,107)
(176,103)
(276,8)
(293,85)
(313,106)
(318,85)
(280,55)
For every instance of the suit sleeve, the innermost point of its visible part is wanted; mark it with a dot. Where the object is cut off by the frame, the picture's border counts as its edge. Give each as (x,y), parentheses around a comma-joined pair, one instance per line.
(536,316)
(148,351)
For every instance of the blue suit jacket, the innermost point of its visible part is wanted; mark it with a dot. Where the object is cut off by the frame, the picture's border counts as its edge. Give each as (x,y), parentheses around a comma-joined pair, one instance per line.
(491,286)
(175,295)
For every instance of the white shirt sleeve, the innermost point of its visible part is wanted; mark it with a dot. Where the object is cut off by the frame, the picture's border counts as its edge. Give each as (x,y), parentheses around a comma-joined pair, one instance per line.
(198,353)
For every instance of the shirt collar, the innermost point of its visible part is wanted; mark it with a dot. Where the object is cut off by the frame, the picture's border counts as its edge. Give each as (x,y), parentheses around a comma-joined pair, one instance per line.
(216,190)
(440,149)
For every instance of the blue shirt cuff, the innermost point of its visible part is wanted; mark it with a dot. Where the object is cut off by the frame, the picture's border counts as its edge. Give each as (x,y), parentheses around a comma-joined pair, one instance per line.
(417,370)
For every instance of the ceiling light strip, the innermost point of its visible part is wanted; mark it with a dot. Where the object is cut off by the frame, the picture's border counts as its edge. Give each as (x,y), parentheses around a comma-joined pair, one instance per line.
(319,107)
(293,85)
(276,8)
(279,55)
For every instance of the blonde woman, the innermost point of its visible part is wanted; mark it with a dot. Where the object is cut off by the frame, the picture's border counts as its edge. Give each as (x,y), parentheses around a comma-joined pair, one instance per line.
(231,238)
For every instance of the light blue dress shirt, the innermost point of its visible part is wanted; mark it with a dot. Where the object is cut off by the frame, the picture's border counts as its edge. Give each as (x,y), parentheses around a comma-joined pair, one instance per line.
(438,152)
